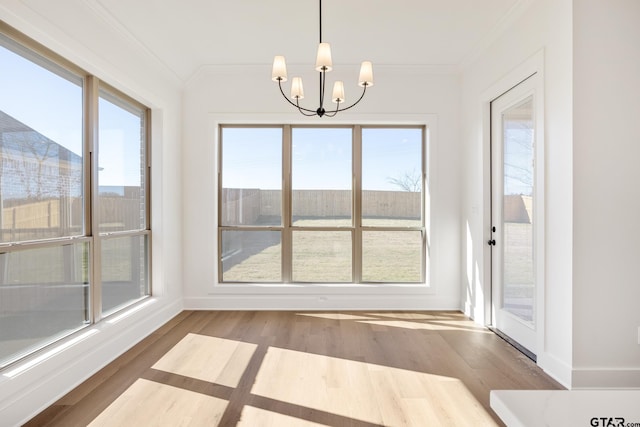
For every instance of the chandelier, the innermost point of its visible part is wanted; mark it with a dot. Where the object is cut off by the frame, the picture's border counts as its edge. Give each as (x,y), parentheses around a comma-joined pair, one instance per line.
(323,66)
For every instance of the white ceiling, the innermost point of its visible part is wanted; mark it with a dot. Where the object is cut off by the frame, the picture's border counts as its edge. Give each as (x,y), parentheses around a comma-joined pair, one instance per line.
(188,34)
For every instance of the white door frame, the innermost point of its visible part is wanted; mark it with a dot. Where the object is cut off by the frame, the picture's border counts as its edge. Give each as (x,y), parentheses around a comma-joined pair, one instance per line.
(533,65)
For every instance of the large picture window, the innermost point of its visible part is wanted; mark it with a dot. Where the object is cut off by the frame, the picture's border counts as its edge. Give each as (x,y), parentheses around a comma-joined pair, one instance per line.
(301,204)
(73,231)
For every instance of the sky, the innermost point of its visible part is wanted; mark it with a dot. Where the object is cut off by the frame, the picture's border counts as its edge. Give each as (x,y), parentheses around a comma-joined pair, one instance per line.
(52,105)
(321,157)
(518,159)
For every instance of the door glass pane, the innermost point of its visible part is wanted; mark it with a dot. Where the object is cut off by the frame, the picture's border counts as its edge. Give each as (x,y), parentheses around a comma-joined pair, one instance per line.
(125,272)
(517,210)
(392,177)
(251,176)
(392,256)
(121,165)
(322,256)
(44,296)
(251,256)
(321,175)
(40,148)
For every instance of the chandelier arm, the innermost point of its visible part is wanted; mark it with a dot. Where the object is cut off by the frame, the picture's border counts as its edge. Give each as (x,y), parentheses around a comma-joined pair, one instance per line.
(354,104)
(290,102)
(334,112)
(314,113)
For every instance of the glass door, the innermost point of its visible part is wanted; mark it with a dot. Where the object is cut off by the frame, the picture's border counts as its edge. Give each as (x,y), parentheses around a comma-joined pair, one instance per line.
(513,241)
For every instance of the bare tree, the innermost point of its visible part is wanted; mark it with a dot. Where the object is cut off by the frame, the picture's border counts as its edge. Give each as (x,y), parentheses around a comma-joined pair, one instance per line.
(410,181)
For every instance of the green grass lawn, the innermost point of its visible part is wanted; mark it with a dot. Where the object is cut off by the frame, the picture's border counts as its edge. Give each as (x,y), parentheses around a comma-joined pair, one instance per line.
(327,256)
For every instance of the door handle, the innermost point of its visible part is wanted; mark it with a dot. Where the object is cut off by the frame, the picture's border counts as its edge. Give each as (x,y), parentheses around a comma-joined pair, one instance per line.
(491,242)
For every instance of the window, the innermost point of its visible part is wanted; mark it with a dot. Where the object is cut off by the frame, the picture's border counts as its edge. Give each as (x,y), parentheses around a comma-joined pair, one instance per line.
(41,173)
(302,204)
(122,201)
(321,205)
(392,213)
(251,204)
(69,254)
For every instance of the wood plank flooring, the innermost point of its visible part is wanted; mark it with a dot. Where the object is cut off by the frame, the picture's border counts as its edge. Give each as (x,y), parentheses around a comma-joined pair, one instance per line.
(359,369)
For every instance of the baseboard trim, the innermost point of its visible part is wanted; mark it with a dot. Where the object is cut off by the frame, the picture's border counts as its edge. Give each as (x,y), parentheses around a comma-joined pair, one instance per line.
(321,302)
(603,378)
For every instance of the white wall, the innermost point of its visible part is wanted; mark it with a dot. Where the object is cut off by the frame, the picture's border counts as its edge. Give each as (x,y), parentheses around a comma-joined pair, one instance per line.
(83,33)
(544,27)
(606,199)
(237,94)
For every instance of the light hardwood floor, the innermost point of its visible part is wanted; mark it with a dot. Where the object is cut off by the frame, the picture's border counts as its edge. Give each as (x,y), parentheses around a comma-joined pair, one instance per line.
(359,369)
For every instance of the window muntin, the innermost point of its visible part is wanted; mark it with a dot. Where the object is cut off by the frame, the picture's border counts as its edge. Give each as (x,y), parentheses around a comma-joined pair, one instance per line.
(336,223)
(50,286)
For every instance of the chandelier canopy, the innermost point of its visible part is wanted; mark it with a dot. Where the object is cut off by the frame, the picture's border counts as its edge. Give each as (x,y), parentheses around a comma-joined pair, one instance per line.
(323,66)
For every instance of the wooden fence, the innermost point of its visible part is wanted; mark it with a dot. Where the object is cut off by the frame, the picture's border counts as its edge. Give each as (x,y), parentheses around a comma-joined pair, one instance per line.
(31,220)
(254,206)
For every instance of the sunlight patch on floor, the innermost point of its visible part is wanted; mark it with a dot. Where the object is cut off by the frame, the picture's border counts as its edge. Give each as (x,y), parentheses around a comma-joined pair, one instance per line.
(367,392)
(148,403)
(212,359)
(256,417)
